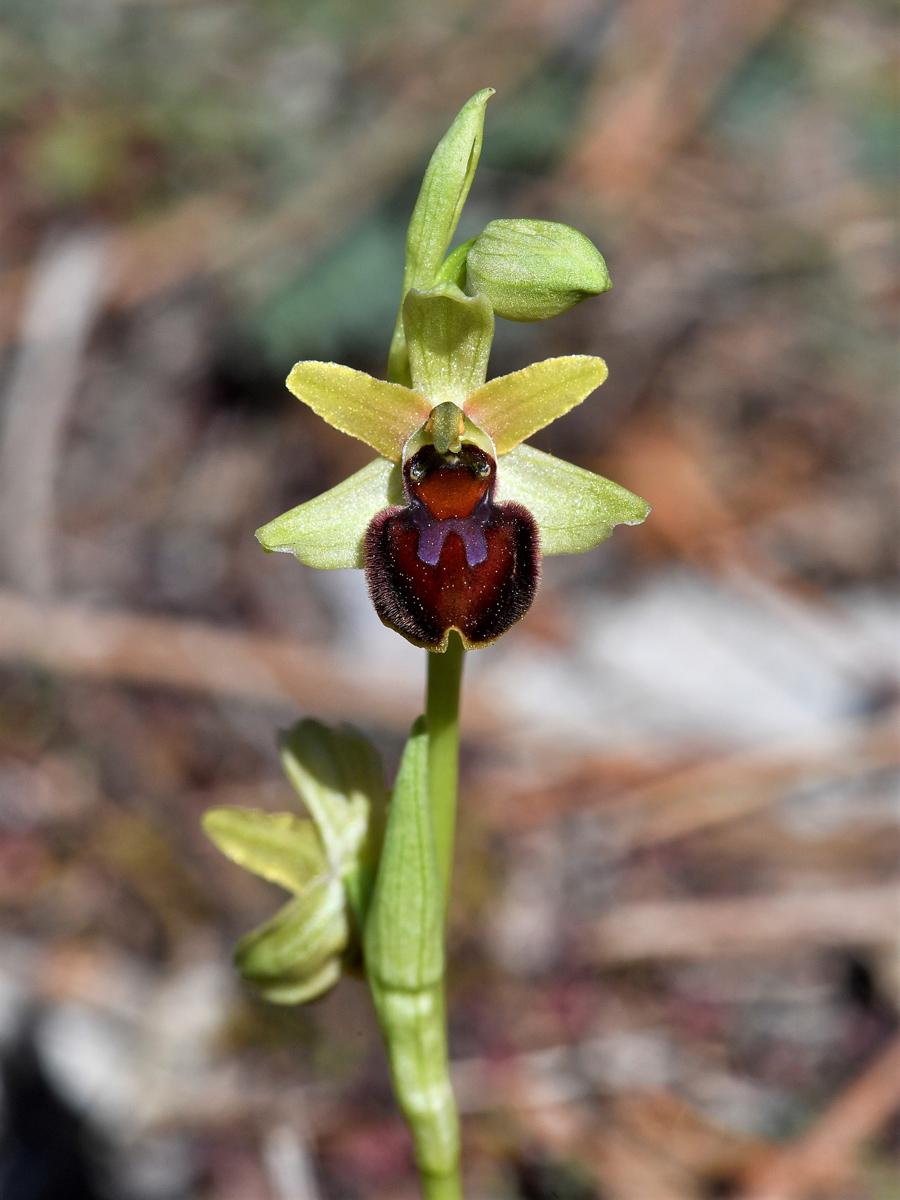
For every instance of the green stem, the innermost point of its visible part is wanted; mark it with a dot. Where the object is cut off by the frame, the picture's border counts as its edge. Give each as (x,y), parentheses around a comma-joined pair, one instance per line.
(442,723)
(442,1187)
(442,727)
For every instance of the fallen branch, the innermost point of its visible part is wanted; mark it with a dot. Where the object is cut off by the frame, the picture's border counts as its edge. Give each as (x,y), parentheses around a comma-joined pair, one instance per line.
(824,1154)
(176,653)
(701,929)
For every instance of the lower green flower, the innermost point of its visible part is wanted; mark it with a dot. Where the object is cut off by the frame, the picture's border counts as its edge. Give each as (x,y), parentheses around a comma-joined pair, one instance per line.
(327,861)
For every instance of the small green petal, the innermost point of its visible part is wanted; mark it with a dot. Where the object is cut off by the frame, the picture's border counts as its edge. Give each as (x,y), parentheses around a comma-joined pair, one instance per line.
(448,335)
(328,531)
(381,414)
(279,847)
(513,407)
(575,509)
(301,937)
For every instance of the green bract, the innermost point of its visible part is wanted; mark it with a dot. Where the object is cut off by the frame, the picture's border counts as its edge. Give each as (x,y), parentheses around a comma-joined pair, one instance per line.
(532,270)
(404,952)
(403,945)
(441,198)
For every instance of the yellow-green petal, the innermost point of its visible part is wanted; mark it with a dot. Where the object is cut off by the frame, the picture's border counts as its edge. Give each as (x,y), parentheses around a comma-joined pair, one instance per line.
(328,531)
(448,336)
(279,847)
(575,509)
(381,414)
(513,407)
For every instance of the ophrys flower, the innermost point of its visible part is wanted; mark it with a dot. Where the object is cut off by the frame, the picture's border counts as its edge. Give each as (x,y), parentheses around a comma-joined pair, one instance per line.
(450,521)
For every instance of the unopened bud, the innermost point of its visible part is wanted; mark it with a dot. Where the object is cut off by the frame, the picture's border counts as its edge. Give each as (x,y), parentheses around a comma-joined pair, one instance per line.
(532,270)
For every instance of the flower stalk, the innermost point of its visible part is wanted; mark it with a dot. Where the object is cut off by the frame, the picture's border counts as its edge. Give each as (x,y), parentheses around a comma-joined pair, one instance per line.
(445,673)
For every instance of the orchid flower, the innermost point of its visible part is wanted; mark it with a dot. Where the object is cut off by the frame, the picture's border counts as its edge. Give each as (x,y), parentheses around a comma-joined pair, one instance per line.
(451,520)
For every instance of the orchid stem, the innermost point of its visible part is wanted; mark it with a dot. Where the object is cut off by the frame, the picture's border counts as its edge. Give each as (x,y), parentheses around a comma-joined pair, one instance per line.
(442,1187)
(442,721)
(442,726)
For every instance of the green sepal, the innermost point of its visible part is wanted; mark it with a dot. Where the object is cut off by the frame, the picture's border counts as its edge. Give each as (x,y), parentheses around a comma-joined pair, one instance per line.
(403,939)
(304,988)
(448,336)
(513,407)
(532,270)
(575,509)
(299,940)
(338,774)
(381,414)
(329,531)
(443,193)
(278,847)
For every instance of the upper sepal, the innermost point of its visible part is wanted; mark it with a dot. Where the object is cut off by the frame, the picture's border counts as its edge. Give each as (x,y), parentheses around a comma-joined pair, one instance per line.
(448,336)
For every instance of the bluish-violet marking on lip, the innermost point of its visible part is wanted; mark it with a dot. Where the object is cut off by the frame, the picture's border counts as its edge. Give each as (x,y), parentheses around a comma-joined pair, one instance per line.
(433,534)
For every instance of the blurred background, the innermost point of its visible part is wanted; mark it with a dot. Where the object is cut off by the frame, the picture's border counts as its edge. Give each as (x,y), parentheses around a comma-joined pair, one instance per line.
(674,937)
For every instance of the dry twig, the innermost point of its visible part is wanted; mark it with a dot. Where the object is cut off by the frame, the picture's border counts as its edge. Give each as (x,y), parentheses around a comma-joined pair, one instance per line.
(700,929)
(825,1153)
(168,652)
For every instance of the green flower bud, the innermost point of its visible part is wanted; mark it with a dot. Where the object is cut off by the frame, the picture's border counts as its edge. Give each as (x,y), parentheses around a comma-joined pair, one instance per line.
(532,270)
